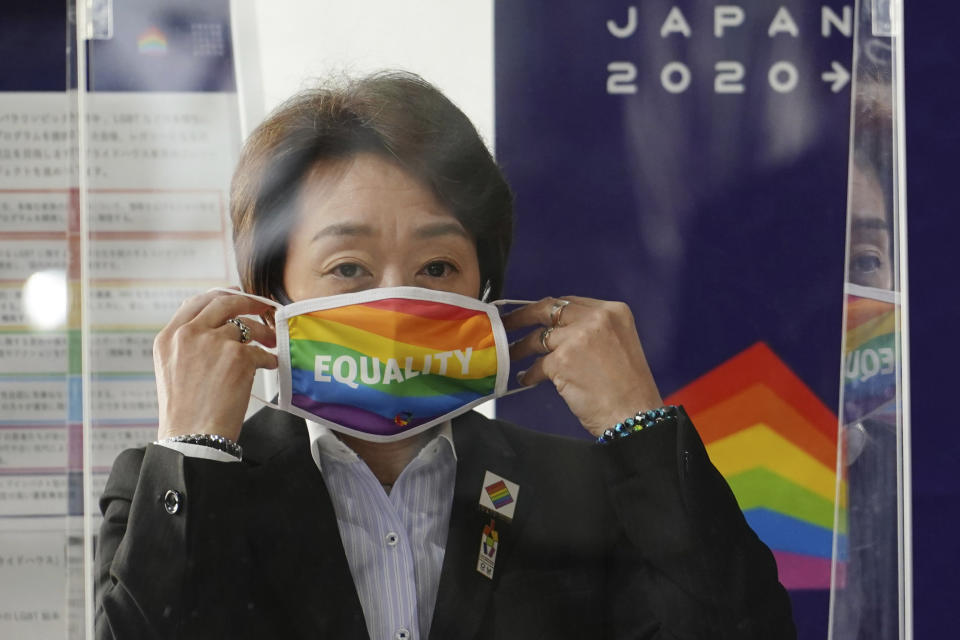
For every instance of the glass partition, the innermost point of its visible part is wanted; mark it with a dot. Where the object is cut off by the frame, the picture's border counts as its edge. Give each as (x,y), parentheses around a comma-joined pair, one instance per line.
(159,134)
(872,567)
(41,533)
(688,159)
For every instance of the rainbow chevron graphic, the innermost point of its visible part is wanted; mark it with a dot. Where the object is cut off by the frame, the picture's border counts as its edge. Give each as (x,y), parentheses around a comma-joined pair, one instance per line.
(392,364)
(776,444)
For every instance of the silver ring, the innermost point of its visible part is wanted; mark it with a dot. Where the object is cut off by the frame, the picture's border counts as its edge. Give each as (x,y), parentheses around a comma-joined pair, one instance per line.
(244,330)
(544,335)
(556,311)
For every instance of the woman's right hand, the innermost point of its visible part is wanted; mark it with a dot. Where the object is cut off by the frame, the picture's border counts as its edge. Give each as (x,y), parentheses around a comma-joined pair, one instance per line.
(204,373)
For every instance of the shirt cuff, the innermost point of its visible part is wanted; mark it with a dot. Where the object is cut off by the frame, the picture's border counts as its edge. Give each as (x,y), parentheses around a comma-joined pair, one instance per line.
(199,451)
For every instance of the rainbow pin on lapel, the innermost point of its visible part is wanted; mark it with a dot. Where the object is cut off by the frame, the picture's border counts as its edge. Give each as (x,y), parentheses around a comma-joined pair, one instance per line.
(498,496)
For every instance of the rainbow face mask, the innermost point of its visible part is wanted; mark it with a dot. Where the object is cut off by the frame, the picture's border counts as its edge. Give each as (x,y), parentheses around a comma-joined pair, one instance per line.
(385,364)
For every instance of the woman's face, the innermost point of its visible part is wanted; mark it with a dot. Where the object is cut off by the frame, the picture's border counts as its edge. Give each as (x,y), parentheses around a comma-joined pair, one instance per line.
(365,223)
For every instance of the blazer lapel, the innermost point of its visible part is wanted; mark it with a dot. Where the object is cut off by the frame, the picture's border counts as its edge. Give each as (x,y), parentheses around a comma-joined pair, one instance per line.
(464,593)
(297,542)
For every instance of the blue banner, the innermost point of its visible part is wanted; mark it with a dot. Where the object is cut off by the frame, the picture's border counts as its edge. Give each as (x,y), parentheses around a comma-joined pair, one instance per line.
(691,160)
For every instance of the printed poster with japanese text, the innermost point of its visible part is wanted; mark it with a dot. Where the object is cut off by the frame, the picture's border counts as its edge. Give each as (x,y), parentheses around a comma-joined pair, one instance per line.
(159,136)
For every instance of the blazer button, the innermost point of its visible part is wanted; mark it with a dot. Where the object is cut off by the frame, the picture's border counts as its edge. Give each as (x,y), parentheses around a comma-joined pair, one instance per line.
(172,501)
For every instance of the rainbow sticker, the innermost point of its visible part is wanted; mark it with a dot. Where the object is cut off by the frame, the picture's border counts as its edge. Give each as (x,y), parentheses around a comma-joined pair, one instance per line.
(776,444)
(386,366)
(152,42)
(499,494)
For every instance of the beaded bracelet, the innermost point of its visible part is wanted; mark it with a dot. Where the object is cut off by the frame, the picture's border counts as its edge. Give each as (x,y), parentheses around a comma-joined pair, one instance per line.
(643,420)
(208,440)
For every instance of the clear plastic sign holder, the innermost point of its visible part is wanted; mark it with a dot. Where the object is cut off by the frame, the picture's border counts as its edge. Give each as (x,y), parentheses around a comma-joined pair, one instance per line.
(40,525)
(871,582)
(158,134)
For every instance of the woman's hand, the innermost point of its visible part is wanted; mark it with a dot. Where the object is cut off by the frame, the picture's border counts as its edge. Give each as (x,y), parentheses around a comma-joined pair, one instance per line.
(593,356)
(204,373)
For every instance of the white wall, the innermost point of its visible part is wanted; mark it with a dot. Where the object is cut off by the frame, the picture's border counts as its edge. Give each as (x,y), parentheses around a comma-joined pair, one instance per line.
(448,42)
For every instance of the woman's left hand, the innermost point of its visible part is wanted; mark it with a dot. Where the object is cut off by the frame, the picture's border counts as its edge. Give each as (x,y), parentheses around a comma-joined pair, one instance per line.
(593,357)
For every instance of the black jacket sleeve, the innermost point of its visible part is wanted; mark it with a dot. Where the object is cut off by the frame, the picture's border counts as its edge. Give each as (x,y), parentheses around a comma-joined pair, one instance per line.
(684,549)
(159,508)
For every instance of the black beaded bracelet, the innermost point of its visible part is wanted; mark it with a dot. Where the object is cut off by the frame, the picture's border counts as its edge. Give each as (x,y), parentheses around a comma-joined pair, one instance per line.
(643,420)
(208,440)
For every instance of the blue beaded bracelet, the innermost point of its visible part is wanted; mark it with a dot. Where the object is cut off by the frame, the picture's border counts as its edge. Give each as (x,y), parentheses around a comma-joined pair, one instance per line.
(643,420)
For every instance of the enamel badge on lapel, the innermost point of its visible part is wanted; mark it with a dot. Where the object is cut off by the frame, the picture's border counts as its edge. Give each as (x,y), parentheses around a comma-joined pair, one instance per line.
(489,541)
(498,496)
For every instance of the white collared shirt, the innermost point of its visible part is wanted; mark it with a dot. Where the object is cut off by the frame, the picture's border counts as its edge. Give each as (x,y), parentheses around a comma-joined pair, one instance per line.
(394,543)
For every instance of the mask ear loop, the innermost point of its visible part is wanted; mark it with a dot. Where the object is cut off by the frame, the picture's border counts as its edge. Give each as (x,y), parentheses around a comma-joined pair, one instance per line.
(510,392)
(271,403)
(272,303)
(502,303)
(506,301)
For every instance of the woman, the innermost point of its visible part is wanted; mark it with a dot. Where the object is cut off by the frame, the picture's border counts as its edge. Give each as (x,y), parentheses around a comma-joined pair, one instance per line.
(472,528)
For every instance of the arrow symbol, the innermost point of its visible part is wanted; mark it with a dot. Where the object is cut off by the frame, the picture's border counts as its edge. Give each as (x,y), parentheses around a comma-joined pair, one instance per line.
(839,76)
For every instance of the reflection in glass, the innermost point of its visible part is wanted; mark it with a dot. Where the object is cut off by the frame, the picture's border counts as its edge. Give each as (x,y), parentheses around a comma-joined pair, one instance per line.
(45,299)
(871,560)
(870,261)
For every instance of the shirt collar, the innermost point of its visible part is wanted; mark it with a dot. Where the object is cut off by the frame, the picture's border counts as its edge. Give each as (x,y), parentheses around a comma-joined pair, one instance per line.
(324,441)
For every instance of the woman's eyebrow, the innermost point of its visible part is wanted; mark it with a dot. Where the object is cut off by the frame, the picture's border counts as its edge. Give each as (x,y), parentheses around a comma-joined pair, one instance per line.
(344,229)
(435,229)
(871,223)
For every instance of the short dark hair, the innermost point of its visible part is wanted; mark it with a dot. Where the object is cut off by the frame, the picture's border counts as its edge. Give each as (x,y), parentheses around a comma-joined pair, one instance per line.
(398,115)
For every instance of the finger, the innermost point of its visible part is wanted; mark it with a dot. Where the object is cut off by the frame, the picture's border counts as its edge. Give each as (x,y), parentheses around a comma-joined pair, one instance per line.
(259,332)
(534,313)
(586,302)
(190,307)
(534,374)
(227,306)
(263,359)
(532,344)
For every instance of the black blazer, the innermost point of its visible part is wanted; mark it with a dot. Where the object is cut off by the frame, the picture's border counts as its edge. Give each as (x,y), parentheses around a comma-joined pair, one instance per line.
(640,538)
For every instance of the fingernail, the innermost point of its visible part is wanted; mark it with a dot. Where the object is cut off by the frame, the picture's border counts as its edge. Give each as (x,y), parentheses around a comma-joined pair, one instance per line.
(520,375)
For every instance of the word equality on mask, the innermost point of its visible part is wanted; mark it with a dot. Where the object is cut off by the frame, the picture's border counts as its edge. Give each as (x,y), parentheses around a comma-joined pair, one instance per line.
(346,370)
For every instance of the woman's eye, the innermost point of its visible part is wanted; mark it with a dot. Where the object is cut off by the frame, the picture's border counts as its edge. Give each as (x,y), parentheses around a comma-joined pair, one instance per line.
(439,269)
(866,263)
(348,270)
